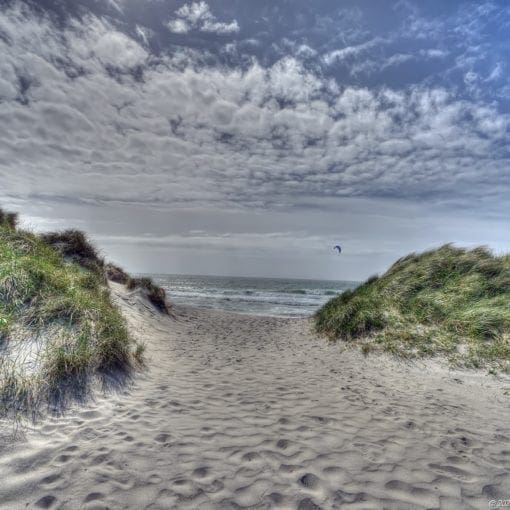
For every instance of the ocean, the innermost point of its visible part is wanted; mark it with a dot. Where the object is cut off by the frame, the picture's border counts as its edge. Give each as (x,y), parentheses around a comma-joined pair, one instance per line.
(275,297)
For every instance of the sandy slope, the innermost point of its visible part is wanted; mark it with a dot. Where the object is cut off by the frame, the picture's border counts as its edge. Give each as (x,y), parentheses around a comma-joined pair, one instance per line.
(245,412)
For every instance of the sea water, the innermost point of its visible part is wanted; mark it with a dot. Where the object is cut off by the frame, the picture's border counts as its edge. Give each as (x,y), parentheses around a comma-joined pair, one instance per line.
(276,297)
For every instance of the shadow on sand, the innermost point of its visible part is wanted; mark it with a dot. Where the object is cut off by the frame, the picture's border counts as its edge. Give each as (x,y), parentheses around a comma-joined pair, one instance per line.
(21,408)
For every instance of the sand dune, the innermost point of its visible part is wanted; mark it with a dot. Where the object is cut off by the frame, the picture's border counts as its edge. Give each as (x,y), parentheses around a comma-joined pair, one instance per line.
(253,412)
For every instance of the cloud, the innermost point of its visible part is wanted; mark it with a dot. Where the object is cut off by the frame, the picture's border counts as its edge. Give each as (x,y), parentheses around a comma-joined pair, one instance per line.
(143,33)
(219,27)
(198,16)
(496,73)
(115,4)
(251,137)
(286,138)
(350,52)
(117,49)
(397,59)
(179,26)
(434,53)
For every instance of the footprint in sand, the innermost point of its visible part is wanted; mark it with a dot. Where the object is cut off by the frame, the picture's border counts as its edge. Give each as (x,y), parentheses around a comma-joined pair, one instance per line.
(308,504)
(51,479)
(162,438)
(348,497)
(93,496)
(289,468)
(214,486)
(492,492)
(154,479)
(321,420)
(250,456)
(452,472)
(310,481)
(276,498)
(46,501)
(201,472)
(283,444)
(99,459)
(62,459)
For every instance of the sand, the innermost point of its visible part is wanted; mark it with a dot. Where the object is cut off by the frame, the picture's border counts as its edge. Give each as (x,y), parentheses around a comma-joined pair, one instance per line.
(236,411)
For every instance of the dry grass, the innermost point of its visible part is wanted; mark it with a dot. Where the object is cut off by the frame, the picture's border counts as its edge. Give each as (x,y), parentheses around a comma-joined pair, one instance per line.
(8,219)
(116,274)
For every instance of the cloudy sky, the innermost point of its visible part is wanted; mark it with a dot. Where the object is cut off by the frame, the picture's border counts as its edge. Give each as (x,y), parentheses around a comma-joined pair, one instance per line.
(248,137)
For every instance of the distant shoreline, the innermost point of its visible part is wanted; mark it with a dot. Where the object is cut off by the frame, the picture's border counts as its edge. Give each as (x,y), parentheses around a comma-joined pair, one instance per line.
(273,297)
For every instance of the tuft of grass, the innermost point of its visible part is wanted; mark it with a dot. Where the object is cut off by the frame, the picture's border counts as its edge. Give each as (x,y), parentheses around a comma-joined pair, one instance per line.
(155,294)
(139,354)
(8,219)
(116,274)
(75,246)
(59,295)
(450,301)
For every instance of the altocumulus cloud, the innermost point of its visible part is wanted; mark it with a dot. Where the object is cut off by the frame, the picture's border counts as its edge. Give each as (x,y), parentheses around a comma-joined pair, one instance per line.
(198,16)
(101,118)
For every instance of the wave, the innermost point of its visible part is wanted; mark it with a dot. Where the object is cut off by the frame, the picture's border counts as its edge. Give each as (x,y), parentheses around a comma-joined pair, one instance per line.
(297,297)
(298,300)
(277,297)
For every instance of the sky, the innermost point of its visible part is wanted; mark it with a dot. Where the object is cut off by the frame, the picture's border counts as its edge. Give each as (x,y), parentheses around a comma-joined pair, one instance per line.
(248,137)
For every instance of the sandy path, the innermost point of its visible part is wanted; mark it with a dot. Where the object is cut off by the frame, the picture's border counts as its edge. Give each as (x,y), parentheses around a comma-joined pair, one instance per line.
(247,412)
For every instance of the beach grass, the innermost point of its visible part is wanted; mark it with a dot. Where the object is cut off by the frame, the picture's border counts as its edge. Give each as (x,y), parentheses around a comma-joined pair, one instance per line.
(448,301)
(53,294)
(154,293)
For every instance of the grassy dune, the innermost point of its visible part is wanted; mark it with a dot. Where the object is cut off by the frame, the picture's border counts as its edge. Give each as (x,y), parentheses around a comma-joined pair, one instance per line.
(58,323)
(448,301)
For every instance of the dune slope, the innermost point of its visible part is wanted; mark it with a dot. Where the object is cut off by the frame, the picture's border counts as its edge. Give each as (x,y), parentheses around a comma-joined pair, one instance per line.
(252,412)
(449,301)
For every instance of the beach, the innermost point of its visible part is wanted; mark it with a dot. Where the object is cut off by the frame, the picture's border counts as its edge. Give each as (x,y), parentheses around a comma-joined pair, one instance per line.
(254,255)
(239,411)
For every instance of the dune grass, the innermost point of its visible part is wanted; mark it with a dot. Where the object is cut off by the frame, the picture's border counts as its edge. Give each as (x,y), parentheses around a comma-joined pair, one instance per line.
(8,219)
(155,294)
(449,301)
(74,246)
(46,293)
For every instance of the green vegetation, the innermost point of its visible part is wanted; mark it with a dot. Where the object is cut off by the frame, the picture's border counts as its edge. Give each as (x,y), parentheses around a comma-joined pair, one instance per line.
(449,301)
(74,246)
(54,295)
(156,295)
